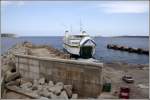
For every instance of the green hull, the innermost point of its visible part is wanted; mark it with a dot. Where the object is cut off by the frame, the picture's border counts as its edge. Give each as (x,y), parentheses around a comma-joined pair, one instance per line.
(86,51)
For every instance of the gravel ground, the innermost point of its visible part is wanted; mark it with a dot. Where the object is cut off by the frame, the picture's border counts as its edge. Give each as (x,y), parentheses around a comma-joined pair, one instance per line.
(140,73)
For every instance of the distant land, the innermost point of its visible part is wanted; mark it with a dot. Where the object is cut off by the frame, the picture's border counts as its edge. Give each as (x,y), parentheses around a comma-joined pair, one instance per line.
(7,35)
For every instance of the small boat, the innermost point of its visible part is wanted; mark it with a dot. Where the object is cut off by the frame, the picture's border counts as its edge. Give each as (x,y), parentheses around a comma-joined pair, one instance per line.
(81,45)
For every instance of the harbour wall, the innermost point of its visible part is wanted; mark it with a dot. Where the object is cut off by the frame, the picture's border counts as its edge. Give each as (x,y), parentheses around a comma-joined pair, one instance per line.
(86,78)
(128,49)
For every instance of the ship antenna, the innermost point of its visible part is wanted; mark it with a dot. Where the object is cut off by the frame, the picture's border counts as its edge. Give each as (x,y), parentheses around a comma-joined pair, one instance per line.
(71,28)
(80,26)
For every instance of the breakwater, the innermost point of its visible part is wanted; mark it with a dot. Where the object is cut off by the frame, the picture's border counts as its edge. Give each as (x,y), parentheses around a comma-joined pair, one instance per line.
(128,49)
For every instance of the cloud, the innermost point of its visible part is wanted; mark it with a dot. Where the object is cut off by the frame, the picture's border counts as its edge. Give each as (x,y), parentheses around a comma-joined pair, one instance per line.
(125,7)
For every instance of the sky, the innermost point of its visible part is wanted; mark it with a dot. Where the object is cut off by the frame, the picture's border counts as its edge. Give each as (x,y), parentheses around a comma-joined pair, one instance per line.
(53,18)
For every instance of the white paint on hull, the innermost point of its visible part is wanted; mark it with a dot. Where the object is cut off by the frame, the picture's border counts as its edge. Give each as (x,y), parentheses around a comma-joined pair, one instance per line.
(72,50)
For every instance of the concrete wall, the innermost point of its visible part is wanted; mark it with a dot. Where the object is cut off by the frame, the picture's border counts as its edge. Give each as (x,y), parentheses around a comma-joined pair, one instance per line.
(86,78)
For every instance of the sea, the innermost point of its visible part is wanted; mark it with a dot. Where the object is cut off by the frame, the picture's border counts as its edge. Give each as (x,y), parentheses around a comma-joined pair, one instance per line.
(102,53)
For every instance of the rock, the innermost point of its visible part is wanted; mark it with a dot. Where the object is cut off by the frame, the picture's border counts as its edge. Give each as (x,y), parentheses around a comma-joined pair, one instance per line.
(68,89)
(63,95)
(50,84)
(26,85)
(42,81)
(11,76)
(74,96)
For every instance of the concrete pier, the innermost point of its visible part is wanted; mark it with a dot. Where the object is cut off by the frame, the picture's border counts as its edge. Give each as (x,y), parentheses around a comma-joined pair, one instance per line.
(86,78)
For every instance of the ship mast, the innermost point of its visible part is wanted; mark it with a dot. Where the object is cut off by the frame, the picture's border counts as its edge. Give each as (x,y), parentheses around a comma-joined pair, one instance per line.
(81,26)
(71,28)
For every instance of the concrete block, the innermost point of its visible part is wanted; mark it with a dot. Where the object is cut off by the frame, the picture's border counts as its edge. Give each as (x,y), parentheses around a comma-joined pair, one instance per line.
(49,71)
(11,76)
(44,93)
(11,83)
(23,67)
(23,60)
(74,96)
(63,95)
(60,85)
(50,84)
(34,69)
(26,85)
(40,87)
(26,74)
(68,89)
(33,62)
(44,98)
(55,90)
(42,69)
(33,75)
(35,85)
(41,81)
(53,96)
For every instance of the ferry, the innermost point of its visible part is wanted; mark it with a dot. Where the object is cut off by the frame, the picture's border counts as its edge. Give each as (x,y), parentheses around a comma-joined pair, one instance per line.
(81,45)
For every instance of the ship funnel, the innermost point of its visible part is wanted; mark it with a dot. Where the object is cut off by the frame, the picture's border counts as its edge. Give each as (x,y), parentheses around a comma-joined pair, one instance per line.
(83,32)
(66,32)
